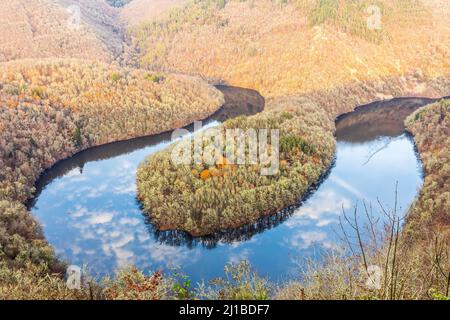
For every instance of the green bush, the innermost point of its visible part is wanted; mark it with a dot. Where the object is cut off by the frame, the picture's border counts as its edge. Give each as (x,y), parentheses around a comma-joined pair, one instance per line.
(115,77)
(77,138)
(289,143)
(240,283)
(156,78)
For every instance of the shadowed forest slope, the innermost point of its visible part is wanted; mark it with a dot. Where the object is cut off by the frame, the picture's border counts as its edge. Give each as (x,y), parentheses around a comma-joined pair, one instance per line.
(49,28)
(103,21)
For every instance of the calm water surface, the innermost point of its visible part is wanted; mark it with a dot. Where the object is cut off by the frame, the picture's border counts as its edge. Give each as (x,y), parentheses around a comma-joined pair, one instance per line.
(89,213)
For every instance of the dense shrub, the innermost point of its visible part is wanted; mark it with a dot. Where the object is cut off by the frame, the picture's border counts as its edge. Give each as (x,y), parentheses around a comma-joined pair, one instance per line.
(33,282)
(239,283)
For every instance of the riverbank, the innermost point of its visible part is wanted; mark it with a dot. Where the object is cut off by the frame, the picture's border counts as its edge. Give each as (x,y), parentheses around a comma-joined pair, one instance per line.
(55,108)
(34,272)
(410,252)
(430,127)
(205,202)
(88,204)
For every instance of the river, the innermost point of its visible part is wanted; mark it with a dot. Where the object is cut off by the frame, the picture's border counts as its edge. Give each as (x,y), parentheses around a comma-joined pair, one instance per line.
(88,209)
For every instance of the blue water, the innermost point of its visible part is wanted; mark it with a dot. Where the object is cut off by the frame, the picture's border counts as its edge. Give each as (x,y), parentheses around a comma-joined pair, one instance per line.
(90,215)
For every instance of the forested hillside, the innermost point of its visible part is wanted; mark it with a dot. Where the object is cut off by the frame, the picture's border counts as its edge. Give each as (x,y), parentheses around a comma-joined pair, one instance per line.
(99,18)
(55,101)
(55,108)
(137,12)
(81,73)
(48,28)
(286,47)
(431,129)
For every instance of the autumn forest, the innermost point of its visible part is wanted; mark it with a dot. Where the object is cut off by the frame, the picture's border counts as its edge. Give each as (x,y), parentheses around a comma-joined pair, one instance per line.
(80,75)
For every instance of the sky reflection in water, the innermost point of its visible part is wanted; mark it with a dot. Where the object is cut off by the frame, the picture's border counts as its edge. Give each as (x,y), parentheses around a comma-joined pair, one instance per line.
(91,217)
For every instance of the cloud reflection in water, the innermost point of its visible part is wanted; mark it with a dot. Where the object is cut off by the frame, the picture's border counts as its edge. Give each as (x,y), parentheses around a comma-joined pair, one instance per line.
(91,216)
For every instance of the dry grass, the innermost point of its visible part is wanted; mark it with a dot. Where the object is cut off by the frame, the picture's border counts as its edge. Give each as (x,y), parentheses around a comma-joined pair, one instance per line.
(34,283)
(417,272)
(377,261)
